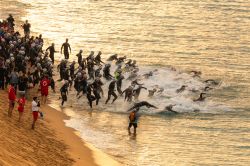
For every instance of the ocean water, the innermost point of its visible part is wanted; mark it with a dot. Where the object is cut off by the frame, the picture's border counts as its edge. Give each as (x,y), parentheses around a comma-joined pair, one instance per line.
(211,36)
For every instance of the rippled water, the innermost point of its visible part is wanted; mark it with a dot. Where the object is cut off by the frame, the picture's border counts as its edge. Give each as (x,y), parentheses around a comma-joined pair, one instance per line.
(209,35)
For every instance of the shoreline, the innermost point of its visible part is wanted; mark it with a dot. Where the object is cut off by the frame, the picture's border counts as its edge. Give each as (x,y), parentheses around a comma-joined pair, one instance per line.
(68,135)
(55,142)
(78,150)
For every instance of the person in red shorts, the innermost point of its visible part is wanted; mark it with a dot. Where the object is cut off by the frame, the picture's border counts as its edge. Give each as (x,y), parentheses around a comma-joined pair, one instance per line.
(20,108)
(44,84)
(12,99)
(35,111)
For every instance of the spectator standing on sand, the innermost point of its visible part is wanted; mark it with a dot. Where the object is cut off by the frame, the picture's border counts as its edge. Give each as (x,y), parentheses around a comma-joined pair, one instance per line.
(66,47)
(35,111)
(12,98)
(44,84)
(26,28)
(20,108)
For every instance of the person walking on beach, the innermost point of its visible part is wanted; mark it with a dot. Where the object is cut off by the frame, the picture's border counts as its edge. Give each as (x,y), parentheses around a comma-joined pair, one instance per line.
(52,52)
(12,98)
(20,108)
(44,84)
(35,111)
(26,29)
(66,47)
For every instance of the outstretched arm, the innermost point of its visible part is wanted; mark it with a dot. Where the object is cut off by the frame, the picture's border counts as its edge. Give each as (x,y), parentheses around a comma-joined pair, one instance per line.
(134,107)
(48,48)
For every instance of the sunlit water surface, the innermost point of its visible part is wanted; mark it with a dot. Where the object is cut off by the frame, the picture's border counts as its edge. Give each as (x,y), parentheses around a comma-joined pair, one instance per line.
(211,36)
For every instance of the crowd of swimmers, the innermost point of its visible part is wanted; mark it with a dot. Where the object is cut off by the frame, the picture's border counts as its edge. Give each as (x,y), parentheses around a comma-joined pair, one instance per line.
(24,64)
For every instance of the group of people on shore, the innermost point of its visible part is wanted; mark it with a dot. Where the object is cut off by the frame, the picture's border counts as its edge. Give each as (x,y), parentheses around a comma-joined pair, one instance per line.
(19,68)
(24,65)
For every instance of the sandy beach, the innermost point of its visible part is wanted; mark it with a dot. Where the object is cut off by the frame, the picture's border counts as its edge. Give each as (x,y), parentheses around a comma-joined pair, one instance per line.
(50,144)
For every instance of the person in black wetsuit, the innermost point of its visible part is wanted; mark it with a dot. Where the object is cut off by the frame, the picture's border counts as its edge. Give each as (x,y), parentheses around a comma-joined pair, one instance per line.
(11,21)
(90,97)
(66,47)
(106,72)
(128,94)
(111,91)
(169,108)
(137,91)
(26,28)
(201,97)
(97,89)
(135,82)
(98,59)
(211,82)
(119,83)
(113,57)
(72,70)
(64,92)
(79,57)
(141,104)
(98,71)
(52,52)
(181,89)
(91,71)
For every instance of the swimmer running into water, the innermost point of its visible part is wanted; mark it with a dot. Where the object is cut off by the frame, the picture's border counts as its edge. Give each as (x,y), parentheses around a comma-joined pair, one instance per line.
(181,89)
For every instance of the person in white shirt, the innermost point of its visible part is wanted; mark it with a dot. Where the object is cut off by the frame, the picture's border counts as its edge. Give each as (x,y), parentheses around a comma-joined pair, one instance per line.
(35,111)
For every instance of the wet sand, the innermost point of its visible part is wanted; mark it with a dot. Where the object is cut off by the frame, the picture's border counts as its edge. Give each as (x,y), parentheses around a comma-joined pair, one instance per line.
(51,143)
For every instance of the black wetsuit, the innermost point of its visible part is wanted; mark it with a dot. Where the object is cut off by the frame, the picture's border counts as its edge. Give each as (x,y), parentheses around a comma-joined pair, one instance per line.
(11,20)
(119,83)
(91,71)
(106,73)
(141,104)
(64,91)
(98,60)
(137,91)
(113,57)
(201,98)
(128,94)
(90,97)
(72,71)
(51,53)
(26,28)
(79,58)
(97,89)
(66,47)
(111,92)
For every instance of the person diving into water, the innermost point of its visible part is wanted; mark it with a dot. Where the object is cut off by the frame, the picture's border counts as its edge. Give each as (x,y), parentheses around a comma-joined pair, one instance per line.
(169,108)
(181,89)
(141,104)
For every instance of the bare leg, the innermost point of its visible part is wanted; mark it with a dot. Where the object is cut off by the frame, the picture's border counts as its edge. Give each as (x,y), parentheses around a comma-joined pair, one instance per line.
(20,116)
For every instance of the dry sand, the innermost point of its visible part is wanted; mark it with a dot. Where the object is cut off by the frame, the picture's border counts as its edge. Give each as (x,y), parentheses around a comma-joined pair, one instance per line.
(51,143)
